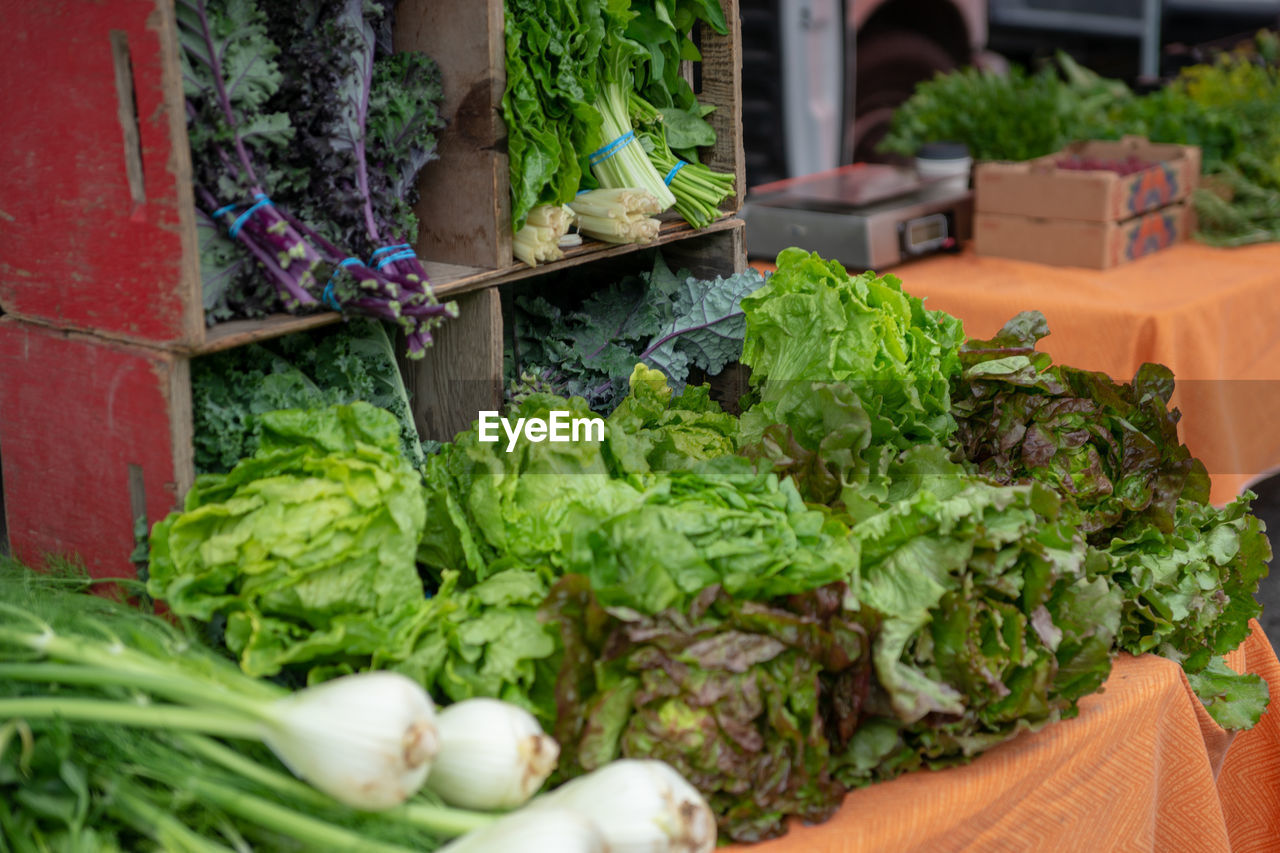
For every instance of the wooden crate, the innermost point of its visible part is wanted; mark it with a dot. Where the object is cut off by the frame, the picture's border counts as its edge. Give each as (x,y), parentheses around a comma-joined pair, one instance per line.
(97,225)
(99,267)
(469,208)
(94,434)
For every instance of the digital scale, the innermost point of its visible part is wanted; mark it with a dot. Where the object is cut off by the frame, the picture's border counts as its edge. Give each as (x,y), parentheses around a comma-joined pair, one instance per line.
(867,216)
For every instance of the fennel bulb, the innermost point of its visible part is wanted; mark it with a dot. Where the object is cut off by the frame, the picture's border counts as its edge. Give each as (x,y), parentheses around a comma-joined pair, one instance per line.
(493,755)
(641,806)
(541,830)
(367,740)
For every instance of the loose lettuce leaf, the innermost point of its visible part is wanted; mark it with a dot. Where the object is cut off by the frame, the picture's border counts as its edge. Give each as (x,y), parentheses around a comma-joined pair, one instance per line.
(306,548)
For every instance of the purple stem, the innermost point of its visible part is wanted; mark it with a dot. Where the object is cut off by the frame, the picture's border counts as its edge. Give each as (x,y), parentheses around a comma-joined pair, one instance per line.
(223,101)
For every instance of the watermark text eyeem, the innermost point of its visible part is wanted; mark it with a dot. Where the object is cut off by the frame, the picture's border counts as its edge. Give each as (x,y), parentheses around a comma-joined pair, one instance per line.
(559,427)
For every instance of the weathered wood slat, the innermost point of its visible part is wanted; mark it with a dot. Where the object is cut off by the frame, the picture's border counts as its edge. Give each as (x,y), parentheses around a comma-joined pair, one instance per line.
(465,197)
(462,372)
(96,219)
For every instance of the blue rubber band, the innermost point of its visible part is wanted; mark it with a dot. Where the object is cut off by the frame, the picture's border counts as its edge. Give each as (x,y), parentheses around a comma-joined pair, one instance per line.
(328,298)
(398,256)
(226,208)
(244,217)
(602,154)
(671,176)
(395,248)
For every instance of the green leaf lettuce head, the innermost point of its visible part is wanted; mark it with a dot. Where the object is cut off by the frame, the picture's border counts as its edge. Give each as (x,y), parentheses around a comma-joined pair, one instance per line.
(647,538)
(991,620)
(306,548)
(1189,596)
(813,322)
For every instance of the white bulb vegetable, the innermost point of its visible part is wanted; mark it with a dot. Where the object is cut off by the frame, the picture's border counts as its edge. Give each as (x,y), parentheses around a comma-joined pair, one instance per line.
(641,806)
(541,830)
(367,740)
(493,755)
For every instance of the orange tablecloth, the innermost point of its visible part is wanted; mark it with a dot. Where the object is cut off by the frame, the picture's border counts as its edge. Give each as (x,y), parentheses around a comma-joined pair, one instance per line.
(1211,315)
(1143,767)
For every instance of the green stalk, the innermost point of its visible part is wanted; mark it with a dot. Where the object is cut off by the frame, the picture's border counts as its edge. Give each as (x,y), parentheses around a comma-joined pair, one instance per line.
(247,768)
(310,832)
(442,819)
(175,687)
(126,714)
(439,820)
(161,826)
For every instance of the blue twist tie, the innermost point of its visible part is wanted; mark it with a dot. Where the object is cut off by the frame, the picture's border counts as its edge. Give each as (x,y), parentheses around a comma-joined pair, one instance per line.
(398,256)
(394,248)
(226,208)
(671,176)
(328,297)
(262,200)
(602,154)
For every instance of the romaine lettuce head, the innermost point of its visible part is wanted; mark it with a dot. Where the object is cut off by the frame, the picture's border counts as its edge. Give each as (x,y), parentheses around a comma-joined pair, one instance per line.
(813,322)
(306,548)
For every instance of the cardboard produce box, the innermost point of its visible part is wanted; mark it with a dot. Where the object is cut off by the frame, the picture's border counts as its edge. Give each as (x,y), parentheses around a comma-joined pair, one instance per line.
(1076,243)
(1040,188)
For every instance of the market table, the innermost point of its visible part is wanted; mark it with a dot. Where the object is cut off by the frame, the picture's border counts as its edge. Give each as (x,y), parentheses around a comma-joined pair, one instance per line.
(1211,315)
(1143,767)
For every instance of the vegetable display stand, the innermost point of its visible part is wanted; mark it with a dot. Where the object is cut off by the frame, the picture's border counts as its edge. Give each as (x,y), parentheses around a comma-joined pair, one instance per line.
(100,282)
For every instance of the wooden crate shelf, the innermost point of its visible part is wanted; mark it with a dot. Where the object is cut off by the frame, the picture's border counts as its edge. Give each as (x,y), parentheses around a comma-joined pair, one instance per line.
(99,261)
(450,281)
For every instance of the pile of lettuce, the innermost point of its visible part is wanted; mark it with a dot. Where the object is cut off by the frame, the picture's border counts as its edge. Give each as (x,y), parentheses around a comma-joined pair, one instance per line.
(1187,570)
(907,549)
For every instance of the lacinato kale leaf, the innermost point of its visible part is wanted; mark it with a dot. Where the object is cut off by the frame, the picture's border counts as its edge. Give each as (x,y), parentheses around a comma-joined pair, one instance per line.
(669,321)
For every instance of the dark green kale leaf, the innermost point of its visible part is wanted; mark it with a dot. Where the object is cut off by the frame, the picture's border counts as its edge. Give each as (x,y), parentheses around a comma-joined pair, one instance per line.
(670,321)
(231,389)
